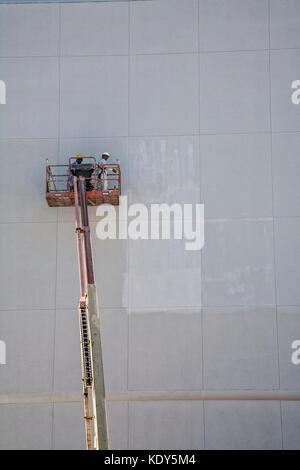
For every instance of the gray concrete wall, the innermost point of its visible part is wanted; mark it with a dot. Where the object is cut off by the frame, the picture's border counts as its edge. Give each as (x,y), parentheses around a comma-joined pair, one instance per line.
(194,97)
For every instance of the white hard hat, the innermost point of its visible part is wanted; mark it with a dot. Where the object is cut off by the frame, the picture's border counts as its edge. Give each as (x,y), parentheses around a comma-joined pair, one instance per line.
(106,153)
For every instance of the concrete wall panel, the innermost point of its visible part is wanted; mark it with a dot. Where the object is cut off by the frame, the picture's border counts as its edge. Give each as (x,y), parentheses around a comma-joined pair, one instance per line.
(291,425)
(238,263)
(29,30)
(240,349)
(172,106)
(117,417)
(31,109)
(165,351)
(164,27)
(23,180)
(234,92)
(114,324)
(162,274)
(29,338)
(287,233)
(286,168)
(164,170)
(165,425)
(94,96)
(233,25)
(246,190)
(285,23)
(243,425)
(28,266)
(68,427)
(25,427)
(94,29)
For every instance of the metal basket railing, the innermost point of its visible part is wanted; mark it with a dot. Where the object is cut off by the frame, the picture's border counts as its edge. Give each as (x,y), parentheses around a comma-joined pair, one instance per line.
(59,178)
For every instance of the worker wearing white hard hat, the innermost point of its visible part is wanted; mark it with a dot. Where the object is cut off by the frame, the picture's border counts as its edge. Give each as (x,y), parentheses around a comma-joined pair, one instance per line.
(103,171)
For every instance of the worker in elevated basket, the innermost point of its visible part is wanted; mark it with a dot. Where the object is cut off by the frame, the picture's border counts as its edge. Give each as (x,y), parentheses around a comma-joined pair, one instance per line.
(78,161)
(103,171)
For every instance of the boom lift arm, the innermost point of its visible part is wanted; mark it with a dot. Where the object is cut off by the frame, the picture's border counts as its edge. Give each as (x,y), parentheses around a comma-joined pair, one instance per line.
(80,188)
(91,351)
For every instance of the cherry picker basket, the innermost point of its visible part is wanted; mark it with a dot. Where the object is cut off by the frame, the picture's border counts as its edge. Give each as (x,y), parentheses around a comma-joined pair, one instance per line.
(102,187)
